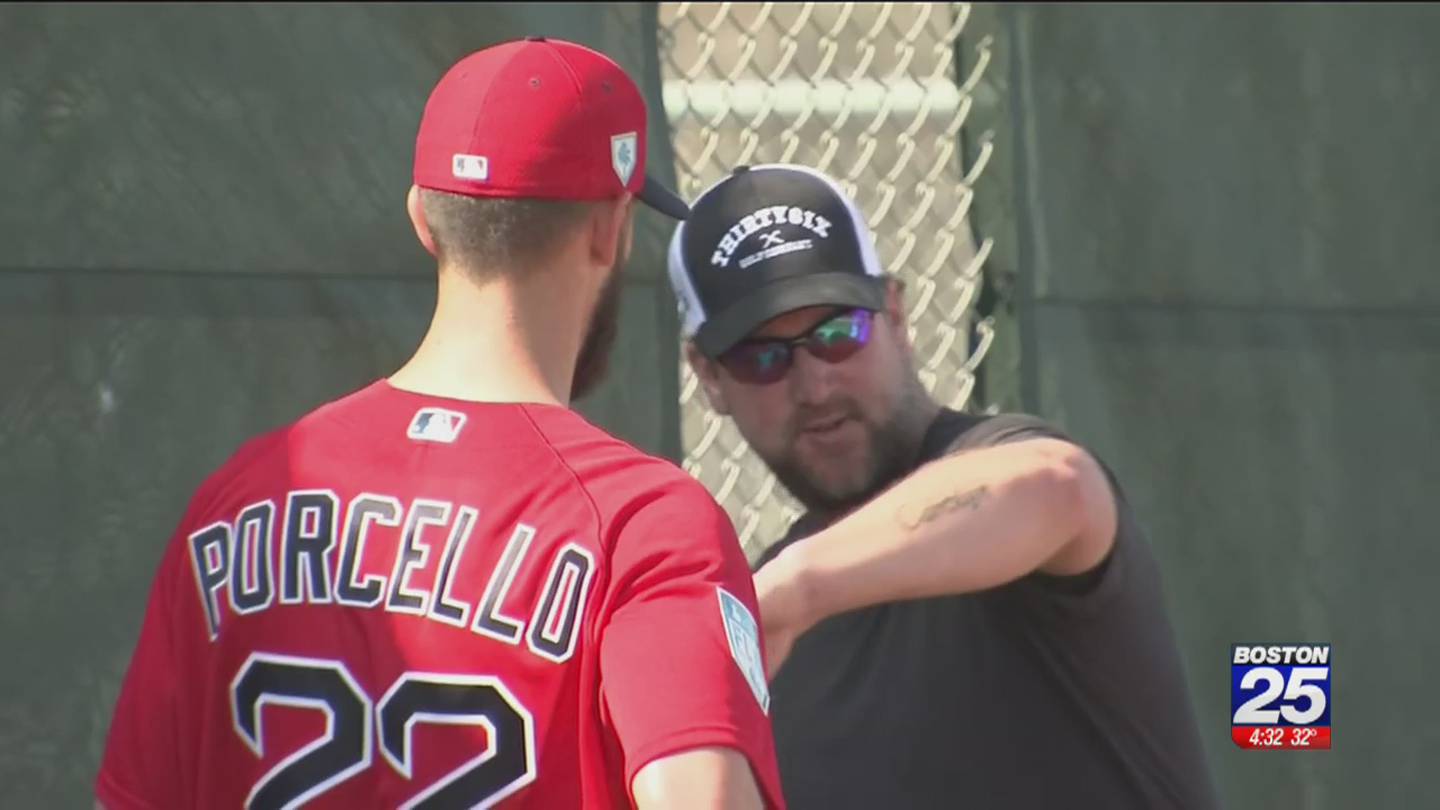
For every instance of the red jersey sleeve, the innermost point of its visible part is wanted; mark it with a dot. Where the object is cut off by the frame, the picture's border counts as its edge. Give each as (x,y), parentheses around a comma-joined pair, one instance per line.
(680,653)
(140,768)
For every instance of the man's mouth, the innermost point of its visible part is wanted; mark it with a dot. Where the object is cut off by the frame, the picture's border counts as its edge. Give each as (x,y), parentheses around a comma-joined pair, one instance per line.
(825,426)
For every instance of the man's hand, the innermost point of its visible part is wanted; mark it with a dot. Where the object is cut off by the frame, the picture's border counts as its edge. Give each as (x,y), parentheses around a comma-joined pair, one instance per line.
(784,607)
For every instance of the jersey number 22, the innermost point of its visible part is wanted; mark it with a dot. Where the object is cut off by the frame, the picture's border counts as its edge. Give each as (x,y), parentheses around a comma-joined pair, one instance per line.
(505,765)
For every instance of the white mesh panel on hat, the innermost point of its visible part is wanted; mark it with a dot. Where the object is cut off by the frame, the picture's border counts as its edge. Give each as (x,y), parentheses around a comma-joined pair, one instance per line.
(692,311)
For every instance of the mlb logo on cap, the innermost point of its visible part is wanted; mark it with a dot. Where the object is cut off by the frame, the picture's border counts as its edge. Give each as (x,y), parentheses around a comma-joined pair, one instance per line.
(540,118)
(471,167)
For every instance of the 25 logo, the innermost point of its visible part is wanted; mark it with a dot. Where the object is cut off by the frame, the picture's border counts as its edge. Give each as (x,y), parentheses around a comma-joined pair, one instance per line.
(1301,687)
(1280,696)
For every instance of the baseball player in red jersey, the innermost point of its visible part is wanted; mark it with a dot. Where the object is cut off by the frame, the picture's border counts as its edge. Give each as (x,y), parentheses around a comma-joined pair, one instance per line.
(448,589)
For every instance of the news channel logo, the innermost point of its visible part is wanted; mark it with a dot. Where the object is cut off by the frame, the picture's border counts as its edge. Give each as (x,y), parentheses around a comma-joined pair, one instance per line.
(1280,696)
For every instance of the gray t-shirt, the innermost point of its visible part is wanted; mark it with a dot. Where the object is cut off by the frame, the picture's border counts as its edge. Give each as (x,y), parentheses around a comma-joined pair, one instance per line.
(1047,692)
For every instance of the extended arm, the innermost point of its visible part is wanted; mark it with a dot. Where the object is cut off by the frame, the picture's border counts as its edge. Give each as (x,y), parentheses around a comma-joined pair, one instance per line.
(963,523)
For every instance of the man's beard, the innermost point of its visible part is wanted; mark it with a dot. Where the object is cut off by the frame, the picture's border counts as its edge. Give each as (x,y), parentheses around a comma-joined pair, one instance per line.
(594,360)
(834,485)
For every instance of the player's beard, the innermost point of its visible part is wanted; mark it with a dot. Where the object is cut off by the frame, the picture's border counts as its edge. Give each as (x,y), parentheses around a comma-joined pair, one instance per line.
(594,359)
(834,482)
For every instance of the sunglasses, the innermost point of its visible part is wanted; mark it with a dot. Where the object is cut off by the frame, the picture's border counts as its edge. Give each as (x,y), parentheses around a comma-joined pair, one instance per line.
(766,360)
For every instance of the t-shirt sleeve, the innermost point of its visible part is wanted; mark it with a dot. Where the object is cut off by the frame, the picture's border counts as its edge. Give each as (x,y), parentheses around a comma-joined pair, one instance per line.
(1062,596)
(139,767)
(1002,429)
(681,657)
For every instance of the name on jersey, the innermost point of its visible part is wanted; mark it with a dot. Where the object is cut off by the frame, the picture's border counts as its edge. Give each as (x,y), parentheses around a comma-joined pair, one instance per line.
(318,545)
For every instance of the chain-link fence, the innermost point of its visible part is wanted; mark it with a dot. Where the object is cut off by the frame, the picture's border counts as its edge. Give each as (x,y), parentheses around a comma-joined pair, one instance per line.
(869,94)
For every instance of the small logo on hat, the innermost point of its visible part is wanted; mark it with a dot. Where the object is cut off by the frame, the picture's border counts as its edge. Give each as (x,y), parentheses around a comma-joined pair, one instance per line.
(772,242)
(622,156)
(470,167)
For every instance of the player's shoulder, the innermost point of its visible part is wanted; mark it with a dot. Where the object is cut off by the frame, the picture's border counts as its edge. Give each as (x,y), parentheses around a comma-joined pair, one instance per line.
(599,458)
(651,497)
(620,478)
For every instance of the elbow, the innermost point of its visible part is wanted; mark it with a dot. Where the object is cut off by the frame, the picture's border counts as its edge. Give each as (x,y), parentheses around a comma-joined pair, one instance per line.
(1072,486)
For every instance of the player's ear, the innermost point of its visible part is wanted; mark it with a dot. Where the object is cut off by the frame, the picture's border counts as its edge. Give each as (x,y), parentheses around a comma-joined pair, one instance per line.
(611,228)
(708,372)
(416,210)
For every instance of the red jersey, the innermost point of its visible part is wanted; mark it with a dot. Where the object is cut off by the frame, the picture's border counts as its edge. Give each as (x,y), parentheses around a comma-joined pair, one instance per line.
(411,601)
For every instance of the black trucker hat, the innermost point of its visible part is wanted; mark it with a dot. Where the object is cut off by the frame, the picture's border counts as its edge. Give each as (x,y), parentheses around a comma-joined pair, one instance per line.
(764,241)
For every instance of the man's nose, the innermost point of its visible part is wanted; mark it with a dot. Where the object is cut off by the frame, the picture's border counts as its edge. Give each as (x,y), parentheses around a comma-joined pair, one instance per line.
(812,380)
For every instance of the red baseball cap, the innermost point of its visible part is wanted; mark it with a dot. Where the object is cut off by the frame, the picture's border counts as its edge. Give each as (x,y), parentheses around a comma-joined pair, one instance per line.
(538,118)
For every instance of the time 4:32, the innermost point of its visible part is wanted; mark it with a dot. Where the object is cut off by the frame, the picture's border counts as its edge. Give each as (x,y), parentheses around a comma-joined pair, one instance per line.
(1282,737)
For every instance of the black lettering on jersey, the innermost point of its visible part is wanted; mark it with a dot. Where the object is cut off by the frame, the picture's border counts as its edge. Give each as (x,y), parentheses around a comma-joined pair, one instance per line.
(412,555)
(489,621)
(305,550)
(251,565)
(364,510)
(210,554)
(507,763)
(442,606)
(552,628)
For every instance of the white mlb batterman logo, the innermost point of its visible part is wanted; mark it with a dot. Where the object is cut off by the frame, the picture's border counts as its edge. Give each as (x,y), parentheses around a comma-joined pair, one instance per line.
(744,636)
(436,425)
(623,157)
(470,167)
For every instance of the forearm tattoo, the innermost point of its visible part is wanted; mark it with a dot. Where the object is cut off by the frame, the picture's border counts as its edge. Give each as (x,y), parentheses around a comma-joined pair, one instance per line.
(970,499)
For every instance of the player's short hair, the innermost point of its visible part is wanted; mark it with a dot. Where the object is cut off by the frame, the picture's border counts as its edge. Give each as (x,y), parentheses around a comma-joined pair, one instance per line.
(488,235)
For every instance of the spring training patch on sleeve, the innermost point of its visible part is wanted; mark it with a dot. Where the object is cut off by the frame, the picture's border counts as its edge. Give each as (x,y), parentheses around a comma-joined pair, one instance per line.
(744,636)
